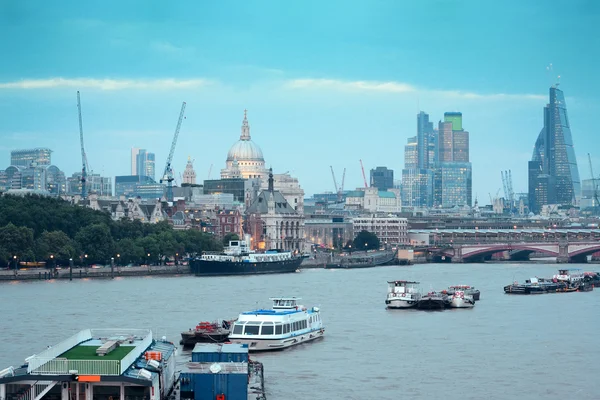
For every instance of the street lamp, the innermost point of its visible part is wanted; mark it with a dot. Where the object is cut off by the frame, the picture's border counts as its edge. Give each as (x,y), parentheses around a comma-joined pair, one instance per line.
(148,259)
(52,261)
(118,259)
(176,257)
(15,258)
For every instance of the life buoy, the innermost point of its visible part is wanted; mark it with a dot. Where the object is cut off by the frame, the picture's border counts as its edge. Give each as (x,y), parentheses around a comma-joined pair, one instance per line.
(403,294)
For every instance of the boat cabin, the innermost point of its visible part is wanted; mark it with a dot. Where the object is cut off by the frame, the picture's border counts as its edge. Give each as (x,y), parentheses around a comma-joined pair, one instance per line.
(569,275)
(285,303)
(402,286)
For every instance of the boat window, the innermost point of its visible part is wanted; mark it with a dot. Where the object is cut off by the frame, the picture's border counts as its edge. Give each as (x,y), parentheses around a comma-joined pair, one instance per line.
(267,329)
(278,329)
(251,329)
(287,328)
(238,328)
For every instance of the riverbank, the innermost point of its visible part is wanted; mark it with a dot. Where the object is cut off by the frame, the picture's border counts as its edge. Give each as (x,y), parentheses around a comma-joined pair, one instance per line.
(92,273)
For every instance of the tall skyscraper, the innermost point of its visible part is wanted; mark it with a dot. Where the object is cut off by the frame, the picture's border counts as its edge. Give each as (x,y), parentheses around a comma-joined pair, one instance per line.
(553,173)
(134,153)
(453,173)
(142,163)
(417,176)
(382,178)
(24,158)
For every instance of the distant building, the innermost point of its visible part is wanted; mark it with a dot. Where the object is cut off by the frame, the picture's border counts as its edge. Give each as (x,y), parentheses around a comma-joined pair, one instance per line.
(132,209)
(382,178)
(95,183)
(229,221)
(273,223)
(374,200)
(134,153)
(419,159)
(390,230)
(189,175)
(145,163)
(411,154)
(553,172)
(589,189)
(331,231)
(144,187)
(243,190)
(23,158)
(56,182)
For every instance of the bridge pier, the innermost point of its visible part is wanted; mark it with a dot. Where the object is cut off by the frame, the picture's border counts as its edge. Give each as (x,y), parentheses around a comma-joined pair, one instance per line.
(563,253)
(457,258)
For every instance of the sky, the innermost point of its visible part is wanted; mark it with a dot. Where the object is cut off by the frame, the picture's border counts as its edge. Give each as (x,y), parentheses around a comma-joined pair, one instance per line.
(325,83)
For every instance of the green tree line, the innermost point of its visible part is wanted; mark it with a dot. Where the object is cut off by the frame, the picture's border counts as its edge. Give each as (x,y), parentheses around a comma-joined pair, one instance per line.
(38,228)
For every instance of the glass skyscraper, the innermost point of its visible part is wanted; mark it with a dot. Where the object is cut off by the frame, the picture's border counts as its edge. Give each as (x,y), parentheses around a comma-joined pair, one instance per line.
(553,173)
(145,163)
(24,158)
(382,178)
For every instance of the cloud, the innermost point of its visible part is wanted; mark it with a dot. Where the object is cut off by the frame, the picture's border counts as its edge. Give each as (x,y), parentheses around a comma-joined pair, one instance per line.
(399,87)
(106,84)
(167,47)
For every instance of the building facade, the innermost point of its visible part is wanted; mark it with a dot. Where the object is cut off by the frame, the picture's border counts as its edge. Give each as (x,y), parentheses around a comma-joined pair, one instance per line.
(417,175)
(189,175)
(144,187)
(553,171)
(373,200)
(382,178)
(392,231)
(273,223)
(145,164)
(95,183)
(24,158)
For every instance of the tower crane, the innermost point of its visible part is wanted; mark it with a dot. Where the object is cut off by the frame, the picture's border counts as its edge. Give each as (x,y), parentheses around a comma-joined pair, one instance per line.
(84,163)
(341,191)
(168,173)
(511,193)
(594,185)
(363,173)
(334,180)
(209,170)
(505,184)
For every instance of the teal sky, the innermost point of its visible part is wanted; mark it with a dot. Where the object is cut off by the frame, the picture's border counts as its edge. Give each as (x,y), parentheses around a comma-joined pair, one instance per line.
(325,83)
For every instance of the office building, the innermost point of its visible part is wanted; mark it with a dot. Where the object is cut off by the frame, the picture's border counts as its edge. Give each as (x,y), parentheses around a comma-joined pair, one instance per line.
(145,163)
(553,172)
(23,158)
(382,178)
(144,187)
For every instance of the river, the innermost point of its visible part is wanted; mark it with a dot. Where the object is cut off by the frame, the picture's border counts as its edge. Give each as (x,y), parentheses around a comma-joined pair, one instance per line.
(527,347)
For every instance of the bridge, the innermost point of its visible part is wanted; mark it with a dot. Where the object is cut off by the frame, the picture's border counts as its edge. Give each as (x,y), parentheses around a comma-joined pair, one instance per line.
(565,252)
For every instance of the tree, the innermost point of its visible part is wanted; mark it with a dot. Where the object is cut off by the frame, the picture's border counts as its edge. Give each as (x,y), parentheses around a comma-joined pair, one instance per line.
(16,240)
(55,243)
(365,241)
(95,241)
(130,252)
(229,237)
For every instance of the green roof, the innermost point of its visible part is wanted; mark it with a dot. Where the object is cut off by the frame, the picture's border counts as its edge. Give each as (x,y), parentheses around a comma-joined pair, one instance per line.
(387,195)
(83,352)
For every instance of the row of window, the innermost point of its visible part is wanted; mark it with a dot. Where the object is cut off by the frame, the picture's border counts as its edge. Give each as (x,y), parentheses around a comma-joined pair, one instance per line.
(268,328)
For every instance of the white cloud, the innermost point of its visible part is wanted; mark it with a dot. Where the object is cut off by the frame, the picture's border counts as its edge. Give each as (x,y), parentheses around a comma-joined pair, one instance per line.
(399,87)
(105,84)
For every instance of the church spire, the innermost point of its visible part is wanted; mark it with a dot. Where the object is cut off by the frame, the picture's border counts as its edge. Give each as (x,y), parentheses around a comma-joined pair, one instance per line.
(271,180)
(245,128)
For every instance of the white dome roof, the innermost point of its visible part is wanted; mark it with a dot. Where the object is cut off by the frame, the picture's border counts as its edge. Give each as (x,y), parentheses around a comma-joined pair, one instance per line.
(245,150)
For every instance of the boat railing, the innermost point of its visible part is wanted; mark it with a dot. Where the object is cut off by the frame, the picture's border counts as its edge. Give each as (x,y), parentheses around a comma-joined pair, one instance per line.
(52,352)
(63,366)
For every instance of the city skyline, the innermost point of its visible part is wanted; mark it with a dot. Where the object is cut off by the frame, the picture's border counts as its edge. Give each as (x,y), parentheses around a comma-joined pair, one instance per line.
(303,99)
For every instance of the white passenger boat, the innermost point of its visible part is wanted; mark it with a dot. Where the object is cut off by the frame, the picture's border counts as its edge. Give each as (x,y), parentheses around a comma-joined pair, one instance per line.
(287,324)
(461,300)
(402,294)
(570,276)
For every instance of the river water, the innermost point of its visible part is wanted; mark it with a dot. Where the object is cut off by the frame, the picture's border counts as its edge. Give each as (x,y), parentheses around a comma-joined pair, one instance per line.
(526,347)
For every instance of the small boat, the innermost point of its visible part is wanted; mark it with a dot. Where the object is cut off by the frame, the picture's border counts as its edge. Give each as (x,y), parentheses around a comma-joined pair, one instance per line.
(286,324)
(460,299)
(433,301)
(207,332)
(534,286)
(467,289)
(570,276)
(402,294)
(358,260)
(592,277)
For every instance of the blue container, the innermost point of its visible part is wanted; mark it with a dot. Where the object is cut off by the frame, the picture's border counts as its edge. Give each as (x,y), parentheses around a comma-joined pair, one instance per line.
(234,353)
(206,352)
(208,386)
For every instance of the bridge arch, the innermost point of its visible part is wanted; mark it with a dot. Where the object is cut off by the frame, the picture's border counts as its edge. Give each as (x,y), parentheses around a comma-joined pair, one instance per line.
(486,252)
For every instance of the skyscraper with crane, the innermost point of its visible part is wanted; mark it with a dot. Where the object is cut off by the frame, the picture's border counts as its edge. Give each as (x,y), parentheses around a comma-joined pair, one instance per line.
(168,172)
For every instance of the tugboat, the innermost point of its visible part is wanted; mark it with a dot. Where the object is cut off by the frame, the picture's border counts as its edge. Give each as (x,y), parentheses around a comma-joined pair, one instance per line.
(468,291)
(570,276)
(402,294)
(433,301)
(238,259)
(460,299)
(287,324)
(534,286)
(207,332)
(592,278)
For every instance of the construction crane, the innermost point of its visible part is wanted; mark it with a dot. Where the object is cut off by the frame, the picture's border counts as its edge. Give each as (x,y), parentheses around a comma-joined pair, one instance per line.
(168,173)
(84,163)
(363,173)
(339,190)
(594,185)
(511,193)
(334,180)
(505,184)
(209,170)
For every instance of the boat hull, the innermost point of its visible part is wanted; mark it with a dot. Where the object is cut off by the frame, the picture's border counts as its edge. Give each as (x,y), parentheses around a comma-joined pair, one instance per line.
(218,268)
(401,303)
(360,262)
(190,338)
(256,345)
(431,304)
(459,302)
